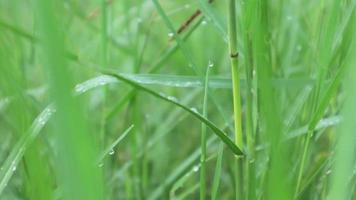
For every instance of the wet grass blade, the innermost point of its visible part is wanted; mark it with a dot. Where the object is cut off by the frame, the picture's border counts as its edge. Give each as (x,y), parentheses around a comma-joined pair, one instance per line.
(112,146)
(217,173)
(221,134)
(203,139)
(16,154)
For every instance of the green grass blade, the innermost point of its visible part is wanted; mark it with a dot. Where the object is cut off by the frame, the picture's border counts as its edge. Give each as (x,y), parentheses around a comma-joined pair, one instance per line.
(110,149)
(78,176)
(217,173)
(345,144)
(180,81)
(221,134)
(203,139)
(16,154)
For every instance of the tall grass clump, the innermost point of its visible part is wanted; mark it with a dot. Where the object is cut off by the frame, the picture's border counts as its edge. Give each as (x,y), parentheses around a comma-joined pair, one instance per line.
(137,99)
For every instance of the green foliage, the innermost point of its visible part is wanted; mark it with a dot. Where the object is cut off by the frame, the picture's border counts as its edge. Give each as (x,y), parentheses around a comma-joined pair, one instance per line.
(138,99)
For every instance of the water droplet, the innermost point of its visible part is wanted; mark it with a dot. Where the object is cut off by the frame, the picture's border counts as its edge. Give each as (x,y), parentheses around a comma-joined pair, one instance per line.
(204,22)
(13,168)
(187,6)
(111,152)
(172,98)
(170,35)
(101,165)
(162,94)
(211,64)
(190,65)
(328,172)
(194,110)
(196,168)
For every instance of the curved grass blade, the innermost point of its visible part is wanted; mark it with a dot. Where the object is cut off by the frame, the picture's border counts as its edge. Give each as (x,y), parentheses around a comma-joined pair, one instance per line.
(221,134)
(10,164)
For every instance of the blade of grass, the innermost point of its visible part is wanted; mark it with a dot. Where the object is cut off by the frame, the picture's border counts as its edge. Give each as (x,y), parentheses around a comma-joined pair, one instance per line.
(235,73)
(217,173)
(181,81)
(112,146)
(221,134)
(78,177)
(323,103)
(277,170)
(203,139)
(16,154)
(345,143)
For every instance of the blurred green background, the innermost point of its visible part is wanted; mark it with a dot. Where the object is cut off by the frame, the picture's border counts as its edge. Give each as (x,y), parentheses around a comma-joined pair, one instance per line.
(109,99)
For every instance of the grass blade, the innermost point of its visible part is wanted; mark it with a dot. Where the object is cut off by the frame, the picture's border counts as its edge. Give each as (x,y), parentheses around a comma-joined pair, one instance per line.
(112,146)
(345,145)
(217,173)
(221,134)
(203,140)
(16,154)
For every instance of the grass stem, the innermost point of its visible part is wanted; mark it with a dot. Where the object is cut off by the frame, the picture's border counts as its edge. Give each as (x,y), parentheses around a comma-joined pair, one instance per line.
(235,86)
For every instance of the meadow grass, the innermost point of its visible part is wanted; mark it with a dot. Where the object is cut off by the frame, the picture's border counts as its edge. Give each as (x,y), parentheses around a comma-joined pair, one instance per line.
(135,99)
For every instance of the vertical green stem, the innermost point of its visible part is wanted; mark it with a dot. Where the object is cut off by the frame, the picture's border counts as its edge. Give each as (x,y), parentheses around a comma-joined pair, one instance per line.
(203,140)
(104,64)
(235,88)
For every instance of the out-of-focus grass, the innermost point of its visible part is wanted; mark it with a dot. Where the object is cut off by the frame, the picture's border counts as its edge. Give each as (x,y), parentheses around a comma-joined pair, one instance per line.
(295,61)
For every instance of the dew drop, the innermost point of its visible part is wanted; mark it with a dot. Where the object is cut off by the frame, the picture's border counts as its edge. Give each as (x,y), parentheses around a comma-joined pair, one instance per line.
(170,35)
(111,152)
(101,165)
(211,64)
(187,6)
(172,98)
(196,168)
(13,168)
(204,22)
(328,172)
(162,94)
(194,110)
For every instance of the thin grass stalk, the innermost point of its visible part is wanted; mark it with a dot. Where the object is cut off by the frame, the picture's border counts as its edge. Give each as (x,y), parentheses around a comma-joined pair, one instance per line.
(203,139)
(217,173)
(104,51)
(236,91)
(245,20)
